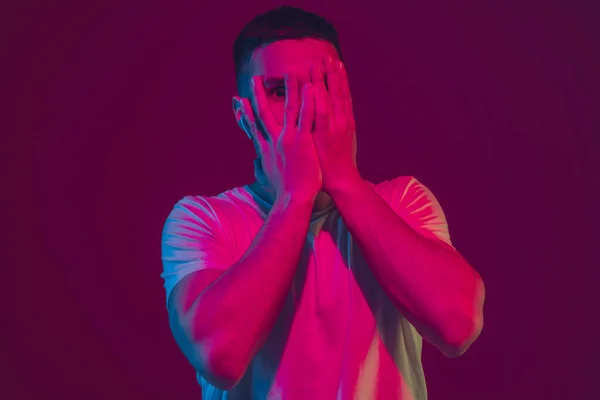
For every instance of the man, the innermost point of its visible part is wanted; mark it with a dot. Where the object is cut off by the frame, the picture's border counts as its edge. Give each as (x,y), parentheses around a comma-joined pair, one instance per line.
(311,283)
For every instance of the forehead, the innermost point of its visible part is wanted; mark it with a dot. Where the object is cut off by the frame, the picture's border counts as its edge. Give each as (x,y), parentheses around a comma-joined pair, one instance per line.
(292,55)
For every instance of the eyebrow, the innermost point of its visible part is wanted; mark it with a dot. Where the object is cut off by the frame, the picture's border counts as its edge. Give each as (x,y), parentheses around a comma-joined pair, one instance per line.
(274,81)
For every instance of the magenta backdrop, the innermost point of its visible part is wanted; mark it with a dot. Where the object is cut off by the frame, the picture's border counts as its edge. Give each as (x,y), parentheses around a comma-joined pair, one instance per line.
(118,110)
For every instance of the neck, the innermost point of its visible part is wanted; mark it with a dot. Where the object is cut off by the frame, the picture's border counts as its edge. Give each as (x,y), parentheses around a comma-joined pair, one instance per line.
(322,201)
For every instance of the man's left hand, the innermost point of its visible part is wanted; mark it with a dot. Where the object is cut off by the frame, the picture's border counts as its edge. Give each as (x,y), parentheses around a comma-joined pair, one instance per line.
(335,128)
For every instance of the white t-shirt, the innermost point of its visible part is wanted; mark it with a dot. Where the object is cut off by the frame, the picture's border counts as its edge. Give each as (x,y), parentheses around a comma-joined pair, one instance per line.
(338,336)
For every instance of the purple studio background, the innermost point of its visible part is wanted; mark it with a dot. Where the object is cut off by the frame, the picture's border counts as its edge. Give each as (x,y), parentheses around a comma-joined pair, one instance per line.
(117,109)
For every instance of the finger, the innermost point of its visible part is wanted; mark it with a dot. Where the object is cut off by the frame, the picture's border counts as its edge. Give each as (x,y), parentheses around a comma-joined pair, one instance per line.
(345,91)
(291,101)
(322,100)
(334,85)
(307,111)
(263,112)
(249,121)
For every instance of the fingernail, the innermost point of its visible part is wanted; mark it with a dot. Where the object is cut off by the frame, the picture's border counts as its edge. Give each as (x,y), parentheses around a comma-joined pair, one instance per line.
(253,81)
(330,60)
(340,65)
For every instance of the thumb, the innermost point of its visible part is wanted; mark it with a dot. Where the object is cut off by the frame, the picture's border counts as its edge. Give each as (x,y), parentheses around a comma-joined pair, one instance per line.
(251,128)
(259,172)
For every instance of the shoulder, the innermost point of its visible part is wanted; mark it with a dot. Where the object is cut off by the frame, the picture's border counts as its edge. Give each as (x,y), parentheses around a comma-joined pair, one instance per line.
(415,204)
(402,189)
(210,208)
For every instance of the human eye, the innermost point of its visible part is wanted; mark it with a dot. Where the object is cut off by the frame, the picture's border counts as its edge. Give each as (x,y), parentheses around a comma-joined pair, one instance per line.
(278,92)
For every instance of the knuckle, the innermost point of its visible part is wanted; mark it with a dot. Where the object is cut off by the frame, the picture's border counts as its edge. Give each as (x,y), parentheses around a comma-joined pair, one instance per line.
(249,118)
(255,131)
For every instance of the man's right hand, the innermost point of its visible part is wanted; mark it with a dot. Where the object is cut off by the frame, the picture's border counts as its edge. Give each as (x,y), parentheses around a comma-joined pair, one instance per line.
(287,154)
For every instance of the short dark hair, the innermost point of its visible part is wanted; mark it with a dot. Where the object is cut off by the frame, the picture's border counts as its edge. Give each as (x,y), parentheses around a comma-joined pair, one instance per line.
(279,24)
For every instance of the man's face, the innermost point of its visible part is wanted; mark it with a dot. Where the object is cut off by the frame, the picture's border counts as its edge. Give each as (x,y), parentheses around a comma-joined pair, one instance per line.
(287,56)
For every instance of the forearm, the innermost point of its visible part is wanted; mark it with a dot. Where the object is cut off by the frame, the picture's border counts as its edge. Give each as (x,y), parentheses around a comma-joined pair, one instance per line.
(231,318)
(430,283)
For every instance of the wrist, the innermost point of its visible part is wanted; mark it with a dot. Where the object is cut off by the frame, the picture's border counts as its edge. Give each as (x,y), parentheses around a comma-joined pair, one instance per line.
(295,199)
(346,183)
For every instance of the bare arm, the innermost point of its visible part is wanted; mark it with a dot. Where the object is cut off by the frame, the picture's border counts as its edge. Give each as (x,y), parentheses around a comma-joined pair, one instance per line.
(429,282)
(221,319)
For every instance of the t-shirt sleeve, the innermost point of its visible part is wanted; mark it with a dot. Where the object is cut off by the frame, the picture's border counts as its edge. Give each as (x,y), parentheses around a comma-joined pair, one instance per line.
(417,205)
(192,240)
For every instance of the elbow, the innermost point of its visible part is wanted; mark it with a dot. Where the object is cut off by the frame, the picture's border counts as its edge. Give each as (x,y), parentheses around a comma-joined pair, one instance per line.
(221,368)
(208,350)
(215,361)
(218,367)
(466,327)
(456,345)
(212,356)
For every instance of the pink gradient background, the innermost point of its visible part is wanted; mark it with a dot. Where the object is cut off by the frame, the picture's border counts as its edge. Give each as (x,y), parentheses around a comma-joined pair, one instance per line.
(116,111)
